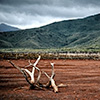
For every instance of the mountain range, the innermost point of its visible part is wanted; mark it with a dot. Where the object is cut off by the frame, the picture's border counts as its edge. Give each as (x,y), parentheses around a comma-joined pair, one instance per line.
(76,33)
(7,28)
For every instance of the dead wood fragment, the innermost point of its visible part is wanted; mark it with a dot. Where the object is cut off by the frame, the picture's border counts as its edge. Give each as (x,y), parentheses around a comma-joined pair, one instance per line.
(35,83)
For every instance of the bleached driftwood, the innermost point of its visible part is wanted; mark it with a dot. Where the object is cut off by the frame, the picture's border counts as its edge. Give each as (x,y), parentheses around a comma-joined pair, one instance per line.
(35,83)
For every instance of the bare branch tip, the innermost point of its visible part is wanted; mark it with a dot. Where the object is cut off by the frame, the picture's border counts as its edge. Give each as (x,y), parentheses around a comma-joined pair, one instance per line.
(52,64)
(8,60)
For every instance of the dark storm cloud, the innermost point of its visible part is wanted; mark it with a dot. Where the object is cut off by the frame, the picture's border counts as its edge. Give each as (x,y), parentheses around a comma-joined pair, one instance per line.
(22,2)
(51,2)
(31,13)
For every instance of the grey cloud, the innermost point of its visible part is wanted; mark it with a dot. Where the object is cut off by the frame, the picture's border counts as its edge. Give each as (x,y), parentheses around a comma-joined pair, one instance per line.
(39,12)
(23,2)
(51,2)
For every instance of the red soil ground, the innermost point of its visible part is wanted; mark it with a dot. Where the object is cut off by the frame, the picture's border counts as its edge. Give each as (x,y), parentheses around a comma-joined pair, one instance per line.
(81,76)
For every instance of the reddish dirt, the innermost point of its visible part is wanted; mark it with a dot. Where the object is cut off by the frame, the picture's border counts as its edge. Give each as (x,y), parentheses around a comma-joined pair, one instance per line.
(81,76)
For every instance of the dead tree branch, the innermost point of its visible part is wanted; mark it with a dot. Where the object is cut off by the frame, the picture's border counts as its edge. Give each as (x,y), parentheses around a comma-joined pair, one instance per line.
(35,83)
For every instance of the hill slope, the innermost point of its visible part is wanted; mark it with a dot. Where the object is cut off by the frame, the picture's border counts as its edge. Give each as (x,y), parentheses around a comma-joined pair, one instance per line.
(68,33)
(6,28)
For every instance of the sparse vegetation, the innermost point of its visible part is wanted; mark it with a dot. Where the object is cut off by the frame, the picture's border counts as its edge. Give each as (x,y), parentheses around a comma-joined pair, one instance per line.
(50,55)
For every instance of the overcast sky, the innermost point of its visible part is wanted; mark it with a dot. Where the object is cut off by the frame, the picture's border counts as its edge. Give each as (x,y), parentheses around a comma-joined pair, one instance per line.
(35,13)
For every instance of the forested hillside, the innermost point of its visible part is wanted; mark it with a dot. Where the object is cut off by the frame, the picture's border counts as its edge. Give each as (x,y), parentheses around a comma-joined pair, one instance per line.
(75,33)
